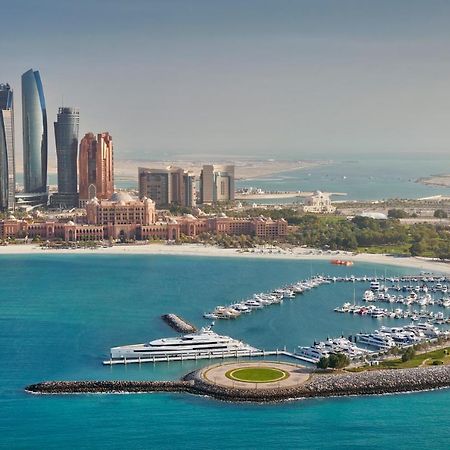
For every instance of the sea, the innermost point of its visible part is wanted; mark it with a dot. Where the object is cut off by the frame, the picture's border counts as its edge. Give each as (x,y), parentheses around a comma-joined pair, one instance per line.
(60,314)
(369,177)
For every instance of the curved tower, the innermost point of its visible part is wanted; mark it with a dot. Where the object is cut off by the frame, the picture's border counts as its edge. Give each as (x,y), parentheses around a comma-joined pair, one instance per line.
(7,166)
(34,122)
(66,137)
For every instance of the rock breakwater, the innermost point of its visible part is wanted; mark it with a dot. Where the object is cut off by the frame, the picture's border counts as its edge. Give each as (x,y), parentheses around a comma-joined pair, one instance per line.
(97,387)
(319,385)
(178,324)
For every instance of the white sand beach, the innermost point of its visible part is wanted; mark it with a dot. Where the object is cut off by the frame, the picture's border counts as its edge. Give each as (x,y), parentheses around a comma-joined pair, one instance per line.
(419,264)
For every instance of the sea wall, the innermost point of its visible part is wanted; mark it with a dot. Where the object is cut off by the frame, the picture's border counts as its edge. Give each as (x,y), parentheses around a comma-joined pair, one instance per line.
(178,324)
(336,384)
(97,387)
(319,385)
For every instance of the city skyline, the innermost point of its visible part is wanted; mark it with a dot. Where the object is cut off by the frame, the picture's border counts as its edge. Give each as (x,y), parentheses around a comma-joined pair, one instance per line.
(275,79)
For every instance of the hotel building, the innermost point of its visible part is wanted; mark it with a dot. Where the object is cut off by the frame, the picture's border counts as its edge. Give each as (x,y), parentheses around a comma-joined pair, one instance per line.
(96,167)
(170,186)
(216,183)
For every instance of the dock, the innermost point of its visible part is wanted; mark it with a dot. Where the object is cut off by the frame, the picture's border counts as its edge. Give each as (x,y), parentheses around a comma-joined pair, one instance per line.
(236,355)
(178,324)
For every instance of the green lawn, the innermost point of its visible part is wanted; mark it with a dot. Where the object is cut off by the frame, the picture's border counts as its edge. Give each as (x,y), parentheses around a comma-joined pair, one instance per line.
(256,374)
(390,249)
(427,359)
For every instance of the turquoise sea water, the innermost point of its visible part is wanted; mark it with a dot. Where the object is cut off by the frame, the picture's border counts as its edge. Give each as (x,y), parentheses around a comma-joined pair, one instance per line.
(365,178)
(59,314)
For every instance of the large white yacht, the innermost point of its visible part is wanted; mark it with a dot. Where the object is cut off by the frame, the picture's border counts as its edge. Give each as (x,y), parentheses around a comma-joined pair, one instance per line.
(376,339)
(204,343)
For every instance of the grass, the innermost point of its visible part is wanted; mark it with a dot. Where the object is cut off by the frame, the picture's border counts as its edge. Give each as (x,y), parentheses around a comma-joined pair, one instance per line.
(257,374)
(427,359)
(390,249)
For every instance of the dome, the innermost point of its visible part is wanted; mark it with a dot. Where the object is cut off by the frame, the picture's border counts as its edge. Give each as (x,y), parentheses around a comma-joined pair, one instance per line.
(121,196)
(70,222)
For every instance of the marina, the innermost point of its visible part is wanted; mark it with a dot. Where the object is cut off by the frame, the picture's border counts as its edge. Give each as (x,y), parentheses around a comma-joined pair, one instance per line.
(206,344)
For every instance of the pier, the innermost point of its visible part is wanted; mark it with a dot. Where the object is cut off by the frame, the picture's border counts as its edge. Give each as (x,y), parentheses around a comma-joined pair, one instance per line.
(223,355)
(178,324)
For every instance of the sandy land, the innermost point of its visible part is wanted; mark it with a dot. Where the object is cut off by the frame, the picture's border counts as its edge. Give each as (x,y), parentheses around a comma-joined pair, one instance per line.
(436,180)
(419,264)
(244,169)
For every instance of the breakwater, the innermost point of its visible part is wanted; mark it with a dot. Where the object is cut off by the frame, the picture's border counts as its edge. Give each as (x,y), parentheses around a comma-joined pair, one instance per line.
(178,324)
(336,385)
(319,385)
(108,387)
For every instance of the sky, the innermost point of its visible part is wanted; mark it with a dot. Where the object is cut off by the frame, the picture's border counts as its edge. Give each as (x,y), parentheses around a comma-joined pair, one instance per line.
(286,79)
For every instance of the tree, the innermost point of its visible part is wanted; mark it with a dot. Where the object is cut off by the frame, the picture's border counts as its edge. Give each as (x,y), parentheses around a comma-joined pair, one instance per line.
(443,251)
(418,248)
(440,214)
(323,363)
(397,214)
(338,361)
(408,354)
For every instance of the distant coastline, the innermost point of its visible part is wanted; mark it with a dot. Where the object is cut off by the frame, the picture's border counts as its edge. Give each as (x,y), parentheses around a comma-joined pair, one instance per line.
(441,180)
(245,169)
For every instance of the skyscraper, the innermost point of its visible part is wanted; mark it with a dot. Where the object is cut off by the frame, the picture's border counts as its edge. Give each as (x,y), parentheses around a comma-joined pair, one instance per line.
(217,183)
(96,167)
(34,120)
(66,138)
(7,165)
(167,186)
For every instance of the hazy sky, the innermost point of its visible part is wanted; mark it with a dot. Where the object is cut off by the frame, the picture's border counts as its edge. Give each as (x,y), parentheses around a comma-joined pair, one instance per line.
(276,78)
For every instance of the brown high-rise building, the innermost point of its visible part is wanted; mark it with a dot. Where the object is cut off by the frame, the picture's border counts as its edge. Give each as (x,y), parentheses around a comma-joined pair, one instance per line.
(96,167)
(167,186)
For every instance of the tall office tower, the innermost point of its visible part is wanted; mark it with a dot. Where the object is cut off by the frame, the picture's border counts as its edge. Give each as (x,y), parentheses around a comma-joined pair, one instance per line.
(167,186)
(7,165)
(217,183)
(66,138)
(34,122)
(96,167)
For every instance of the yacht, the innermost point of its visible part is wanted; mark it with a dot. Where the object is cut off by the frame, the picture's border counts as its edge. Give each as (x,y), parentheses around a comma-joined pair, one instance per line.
(203,343)
(311,354)
(378,340)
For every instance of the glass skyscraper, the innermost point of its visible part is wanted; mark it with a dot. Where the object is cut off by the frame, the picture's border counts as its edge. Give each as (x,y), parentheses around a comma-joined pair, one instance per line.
(66,137)
(34,121)
(7,165)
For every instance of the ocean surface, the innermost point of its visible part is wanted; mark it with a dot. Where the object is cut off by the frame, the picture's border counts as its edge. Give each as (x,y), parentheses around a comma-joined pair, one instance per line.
(60,314)
(367,178)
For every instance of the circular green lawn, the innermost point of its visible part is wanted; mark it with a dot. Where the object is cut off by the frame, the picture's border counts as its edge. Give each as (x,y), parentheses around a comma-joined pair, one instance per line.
(256,374)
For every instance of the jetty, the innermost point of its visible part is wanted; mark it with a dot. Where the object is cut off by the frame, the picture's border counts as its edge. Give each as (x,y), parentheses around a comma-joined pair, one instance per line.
(178,324)
(210,356)
(316,385)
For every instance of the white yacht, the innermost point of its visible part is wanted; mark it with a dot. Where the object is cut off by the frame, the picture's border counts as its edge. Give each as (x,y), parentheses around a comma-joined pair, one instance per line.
(202,344)
(311,354)
(376,339)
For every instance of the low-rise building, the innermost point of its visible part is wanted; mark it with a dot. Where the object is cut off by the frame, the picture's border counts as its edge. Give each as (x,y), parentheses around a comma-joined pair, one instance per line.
(319,202)
(124,218)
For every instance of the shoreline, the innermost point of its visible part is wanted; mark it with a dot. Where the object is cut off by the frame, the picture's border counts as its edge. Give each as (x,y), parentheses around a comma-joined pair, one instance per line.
(200,250)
